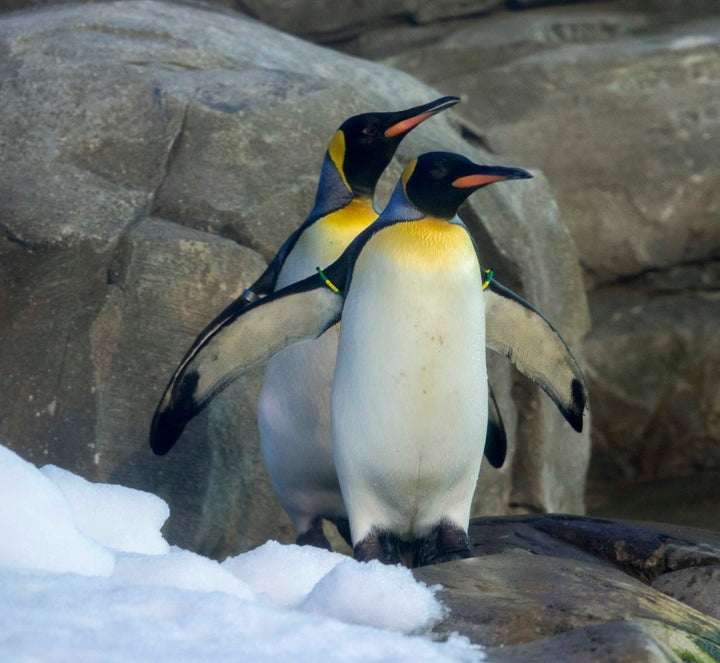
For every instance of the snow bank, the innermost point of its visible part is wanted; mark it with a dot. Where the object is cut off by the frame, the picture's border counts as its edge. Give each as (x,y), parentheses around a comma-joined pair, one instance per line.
(87,576)
(37,527)
(114,516)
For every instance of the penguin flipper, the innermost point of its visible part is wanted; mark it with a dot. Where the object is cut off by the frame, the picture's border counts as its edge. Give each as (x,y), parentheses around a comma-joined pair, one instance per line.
(236,343)
(265,283)
(520,332)
(496,439)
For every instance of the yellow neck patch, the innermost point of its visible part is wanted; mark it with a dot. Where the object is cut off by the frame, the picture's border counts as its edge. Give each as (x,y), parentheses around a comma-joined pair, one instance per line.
(358,213)
(336,150)
(427,245)
(330,235)
(406,174)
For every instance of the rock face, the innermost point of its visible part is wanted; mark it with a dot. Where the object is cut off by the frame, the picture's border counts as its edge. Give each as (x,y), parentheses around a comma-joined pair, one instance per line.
(153,159)
(624,128)
(558,588)
(655,354)
(618,104)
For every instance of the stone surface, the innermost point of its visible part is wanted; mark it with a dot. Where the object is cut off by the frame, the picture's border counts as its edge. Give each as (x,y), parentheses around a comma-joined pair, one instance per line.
(321,20)
(153,158)
(636,177)
(549,588)
(693,500)
(642,550)
(516,597)
(699,587)
(655,376)
(615,642)
(617,102)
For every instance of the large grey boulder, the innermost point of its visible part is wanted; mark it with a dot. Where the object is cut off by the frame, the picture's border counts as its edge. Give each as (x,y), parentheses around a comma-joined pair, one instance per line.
(322,20)
(654,356)
(624,126)
(578,589)
(618,104)
(154,156)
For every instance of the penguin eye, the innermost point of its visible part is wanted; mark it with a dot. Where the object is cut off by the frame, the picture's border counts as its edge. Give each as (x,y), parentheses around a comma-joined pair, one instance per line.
(439,173)
(370,130)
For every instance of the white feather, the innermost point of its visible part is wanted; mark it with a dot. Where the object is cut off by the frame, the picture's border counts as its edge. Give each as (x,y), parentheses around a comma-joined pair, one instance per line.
(409,400)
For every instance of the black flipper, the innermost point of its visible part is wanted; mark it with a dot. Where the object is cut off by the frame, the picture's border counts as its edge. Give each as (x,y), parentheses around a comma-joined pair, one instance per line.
(242,337)
(265,283)
(520,332)
(496,439)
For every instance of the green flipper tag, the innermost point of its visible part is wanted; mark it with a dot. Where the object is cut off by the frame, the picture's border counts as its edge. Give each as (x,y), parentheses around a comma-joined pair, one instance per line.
(328,282)
(490,273)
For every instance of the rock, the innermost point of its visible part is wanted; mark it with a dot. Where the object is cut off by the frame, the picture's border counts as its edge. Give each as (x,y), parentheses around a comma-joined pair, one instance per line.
(637,641)
(635,118)
(696,586)
(514,598)
(320,21)
(524,4)
(655,376)
(528,595)
(617,103)
(154,157)
(642,553)
(642,550)
(692,499)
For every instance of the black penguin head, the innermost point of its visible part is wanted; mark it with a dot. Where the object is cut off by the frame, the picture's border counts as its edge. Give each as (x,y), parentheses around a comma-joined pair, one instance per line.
(437,183)
(364,144)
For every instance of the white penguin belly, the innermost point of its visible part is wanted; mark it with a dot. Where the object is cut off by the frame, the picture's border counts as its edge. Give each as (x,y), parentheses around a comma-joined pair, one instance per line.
(409,400)
(294,402)
(294,423)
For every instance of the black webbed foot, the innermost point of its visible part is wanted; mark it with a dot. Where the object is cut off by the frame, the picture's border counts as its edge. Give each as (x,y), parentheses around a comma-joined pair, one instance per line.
(446,542)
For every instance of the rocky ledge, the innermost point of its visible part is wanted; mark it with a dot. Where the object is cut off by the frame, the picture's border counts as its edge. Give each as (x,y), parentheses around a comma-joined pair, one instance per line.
(576,589)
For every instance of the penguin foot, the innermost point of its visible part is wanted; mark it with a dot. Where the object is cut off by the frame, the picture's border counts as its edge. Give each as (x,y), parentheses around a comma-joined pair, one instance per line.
(314,536)
(381,545)
(445,543)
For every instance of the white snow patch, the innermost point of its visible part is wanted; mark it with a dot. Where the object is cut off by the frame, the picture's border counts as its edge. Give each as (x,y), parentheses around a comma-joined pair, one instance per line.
(153,602)
(37,528)
(283,575)
(114,516)
(375,594)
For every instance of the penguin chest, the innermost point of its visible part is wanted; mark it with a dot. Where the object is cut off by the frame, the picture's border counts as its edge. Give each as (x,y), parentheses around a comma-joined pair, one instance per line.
(294,402)
(322,242)
(410,389)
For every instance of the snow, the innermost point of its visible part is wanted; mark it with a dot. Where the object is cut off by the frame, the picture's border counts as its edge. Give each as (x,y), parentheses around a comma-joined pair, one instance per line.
(85,575)
(131,519)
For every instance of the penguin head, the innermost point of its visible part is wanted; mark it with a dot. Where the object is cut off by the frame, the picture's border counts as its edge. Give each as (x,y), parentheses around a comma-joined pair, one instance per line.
(364,145)
(437,183)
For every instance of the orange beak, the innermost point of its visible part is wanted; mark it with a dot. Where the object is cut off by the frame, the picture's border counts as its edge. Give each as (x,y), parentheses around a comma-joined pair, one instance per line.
(477,180)
(405,125)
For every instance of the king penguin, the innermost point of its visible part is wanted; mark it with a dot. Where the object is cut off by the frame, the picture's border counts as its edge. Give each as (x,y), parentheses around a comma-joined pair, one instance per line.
(409,396)
(293,410)
(293,405)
